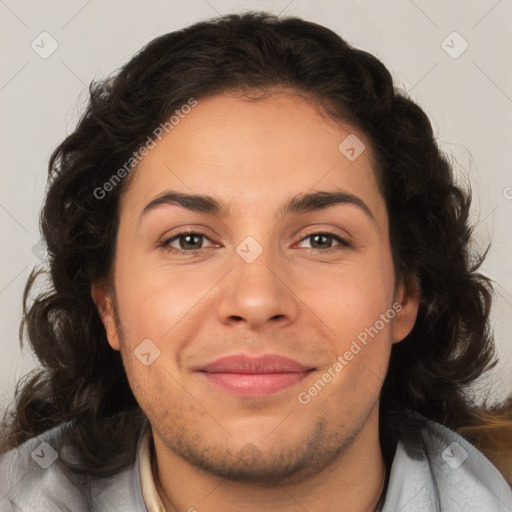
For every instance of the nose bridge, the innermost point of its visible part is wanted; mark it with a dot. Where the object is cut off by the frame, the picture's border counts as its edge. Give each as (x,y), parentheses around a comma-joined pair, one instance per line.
(256,291)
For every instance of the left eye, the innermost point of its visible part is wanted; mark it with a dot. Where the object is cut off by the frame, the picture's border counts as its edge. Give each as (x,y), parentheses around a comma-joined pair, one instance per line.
(320,240)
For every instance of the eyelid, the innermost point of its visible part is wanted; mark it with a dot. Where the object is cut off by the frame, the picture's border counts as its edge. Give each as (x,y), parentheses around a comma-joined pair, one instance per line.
(326,230)
(187,229)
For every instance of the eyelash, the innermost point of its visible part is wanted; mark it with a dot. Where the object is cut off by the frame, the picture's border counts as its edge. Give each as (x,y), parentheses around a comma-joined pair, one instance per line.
(165,243)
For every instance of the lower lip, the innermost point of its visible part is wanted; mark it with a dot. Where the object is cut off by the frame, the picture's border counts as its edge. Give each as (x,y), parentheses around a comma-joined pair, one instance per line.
(260,384)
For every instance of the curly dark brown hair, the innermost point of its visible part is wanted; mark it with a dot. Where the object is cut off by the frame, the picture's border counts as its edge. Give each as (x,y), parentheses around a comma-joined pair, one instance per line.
(81,380)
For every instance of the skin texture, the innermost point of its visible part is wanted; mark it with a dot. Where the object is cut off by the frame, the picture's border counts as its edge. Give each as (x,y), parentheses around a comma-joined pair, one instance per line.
(215,450)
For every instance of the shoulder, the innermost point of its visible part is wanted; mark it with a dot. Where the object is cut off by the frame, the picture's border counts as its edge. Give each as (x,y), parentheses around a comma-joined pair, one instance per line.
(435,468)
(457,465)
(33,477)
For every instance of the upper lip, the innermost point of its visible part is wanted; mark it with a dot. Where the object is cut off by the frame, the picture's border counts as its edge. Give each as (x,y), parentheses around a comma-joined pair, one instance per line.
(243,363)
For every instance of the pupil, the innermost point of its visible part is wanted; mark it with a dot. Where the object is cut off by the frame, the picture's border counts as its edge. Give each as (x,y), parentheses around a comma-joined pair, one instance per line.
(188,238)
(325,238)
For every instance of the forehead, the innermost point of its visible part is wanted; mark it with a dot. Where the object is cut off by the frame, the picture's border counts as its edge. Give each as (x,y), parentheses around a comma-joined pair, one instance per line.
(255,152)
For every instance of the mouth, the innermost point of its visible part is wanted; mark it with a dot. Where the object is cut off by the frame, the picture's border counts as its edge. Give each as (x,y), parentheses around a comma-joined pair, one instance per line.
(243,375)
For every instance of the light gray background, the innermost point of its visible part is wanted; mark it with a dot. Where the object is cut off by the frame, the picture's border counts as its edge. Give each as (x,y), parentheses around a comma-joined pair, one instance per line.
(468,98)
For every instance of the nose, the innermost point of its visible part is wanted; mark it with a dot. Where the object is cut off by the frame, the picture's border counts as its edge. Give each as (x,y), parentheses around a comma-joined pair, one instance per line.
(258,294)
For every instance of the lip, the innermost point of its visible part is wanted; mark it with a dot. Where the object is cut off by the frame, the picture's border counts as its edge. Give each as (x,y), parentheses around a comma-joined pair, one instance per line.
(243,363)
(245,375)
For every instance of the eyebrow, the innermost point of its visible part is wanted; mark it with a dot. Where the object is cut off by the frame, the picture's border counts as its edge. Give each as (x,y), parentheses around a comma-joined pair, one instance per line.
(302,203)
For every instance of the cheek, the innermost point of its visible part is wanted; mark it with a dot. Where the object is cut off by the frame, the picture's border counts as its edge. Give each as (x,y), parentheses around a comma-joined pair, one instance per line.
(350,299)
(359,314)
(151,302)
(147,383)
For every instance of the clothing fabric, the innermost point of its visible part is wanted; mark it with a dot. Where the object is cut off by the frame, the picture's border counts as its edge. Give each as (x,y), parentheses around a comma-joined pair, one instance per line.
(147,483)
(433,470)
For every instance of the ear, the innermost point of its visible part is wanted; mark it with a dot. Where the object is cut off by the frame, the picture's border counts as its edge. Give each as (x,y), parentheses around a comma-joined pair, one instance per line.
(408,296)
(104,300)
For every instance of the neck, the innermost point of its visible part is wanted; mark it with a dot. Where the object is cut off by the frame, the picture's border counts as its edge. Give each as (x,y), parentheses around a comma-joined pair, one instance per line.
(353,481)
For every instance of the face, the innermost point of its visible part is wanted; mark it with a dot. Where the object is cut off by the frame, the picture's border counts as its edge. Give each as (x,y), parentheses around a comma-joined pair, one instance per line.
(259,276)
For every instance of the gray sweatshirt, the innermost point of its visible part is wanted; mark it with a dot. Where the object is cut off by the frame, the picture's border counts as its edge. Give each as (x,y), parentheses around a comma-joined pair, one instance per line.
(432,470)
